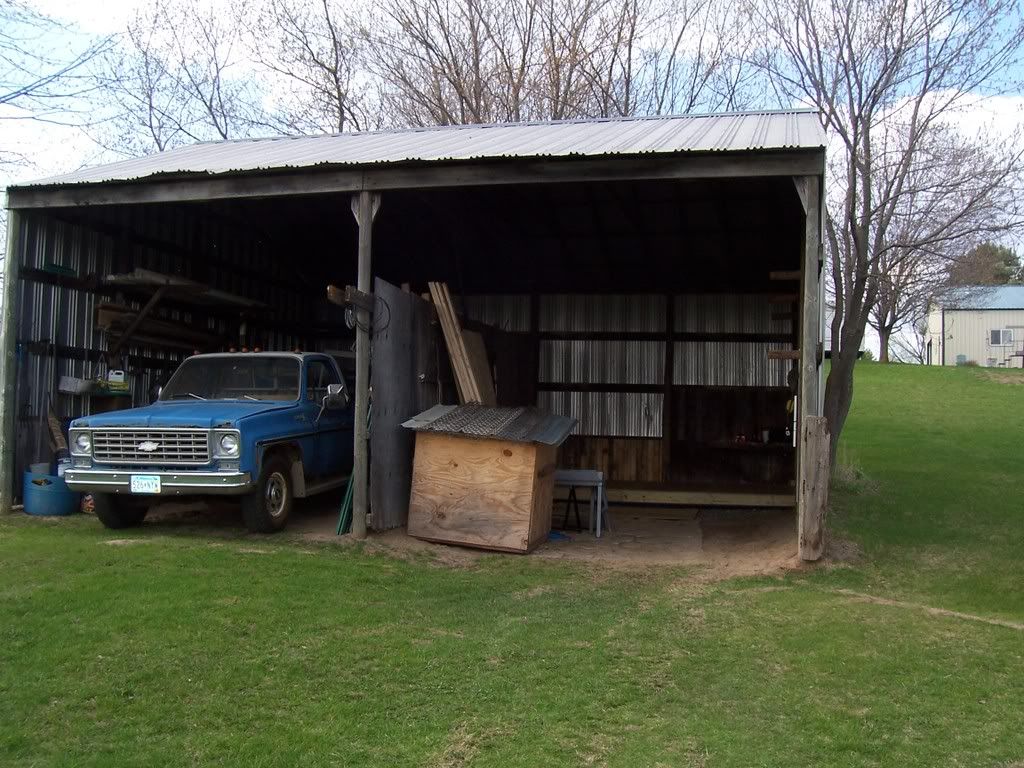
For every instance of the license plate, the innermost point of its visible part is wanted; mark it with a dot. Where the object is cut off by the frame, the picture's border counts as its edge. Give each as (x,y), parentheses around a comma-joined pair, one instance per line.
(145,483)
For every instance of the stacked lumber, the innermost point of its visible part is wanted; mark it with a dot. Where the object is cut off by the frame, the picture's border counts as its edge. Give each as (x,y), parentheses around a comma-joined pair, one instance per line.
(465,349)
(115,319)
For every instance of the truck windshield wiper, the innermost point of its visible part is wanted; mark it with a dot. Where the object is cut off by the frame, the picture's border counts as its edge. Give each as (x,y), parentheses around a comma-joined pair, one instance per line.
(176,395)
(250,397)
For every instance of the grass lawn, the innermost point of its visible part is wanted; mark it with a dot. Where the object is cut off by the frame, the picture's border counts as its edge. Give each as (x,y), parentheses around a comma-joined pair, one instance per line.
(192,649)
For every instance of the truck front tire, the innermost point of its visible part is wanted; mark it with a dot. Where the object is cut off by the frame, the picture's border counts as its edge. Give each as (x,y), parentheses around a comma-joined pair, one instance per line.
(266,508)
(118,511)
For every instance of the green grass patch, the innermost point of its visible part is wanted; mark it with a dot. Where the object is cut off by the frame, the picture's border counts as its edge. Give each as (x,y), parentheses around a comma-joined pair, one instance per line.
(190,649)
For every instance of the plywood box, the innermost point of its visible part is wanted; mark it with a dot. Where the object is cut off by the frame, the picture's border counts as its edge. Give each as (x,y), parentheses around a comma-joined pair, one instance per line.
(481,492)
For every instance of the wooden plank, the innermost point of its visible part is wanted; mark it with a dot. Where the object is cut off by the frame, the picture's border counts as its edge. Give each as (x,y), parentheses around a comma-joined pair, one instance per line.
(474,492)
(545,465)
(784,298)
(480,369)
(693,498)
(813,491)
(785,275)
(783,354)
(469,390)
(57,441)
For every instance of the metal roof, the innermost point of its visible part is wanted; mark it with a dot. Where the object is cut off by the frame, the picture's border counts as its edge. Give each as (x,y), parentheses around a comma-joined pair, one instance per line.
(984,297)
(729,132)
(521,425)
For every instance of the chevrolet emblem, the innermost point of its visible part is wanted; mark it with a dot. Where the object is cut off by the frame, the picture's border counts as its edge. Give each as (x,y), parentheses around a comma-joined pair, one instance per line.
(148,446)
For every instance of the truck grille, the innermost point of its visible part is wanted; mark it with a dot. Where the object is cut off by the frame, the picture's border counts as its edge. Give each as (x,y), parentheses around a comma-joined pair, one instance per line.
(173,446)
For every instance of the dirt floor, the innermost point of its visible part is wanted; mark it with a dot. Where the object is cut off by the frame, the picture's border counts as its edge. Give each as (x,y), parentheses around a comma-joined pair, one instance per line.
(719,543)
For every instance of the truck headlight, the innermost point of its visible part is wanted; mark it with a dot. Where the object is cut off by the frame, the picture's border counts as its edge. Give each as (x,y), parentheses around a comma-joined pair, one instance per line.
(227,445)
(83,442)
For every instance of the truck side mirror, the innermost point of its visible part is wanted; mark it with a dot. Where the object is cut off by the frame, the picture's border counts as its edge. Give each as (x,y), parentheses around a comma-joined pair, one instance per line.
(337,396)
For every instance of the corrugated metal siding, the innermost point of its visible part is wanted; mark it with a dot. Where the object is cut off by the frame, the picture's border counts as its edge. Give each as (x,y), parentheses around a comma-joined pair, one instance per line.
(560,313)
(599,137)
(728,364)
(509,313)
(611,414)
(728,313)
(967,335)
(602,362)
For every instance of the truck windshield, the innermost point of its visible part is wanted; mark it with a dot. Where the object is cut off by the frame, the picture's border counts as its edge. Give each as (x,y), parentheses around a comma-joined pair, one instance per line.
(235,378)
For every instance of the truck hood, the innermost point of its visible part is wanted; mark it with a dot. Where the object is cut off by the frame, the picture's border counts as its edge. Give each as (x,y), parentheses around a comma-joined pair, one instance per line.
(193,413)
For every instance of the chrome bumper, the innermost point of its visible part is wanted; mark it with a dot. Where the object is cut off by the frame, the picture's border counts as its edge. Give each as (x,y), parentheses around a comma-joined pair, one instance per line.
(171,483)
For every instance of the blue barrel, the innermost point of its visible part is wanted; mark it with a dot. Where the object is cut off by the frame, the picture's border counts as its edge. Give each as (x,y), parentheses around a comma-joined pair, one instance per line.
(48,495)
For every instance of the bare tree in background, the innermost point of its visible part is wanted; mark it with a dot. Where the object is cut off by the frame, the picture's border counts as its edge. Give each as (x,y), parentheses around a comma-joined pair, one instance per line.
(866,65)
(479,61)
(314,46)
(178,76)
(37,81)
(957,192)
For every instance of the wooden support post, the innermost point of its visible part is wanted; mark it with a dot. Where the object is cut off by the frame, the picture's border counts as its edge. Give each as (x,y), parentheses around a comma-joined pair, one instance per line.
(812,495)
(8,363)
(364,207)
(812,488)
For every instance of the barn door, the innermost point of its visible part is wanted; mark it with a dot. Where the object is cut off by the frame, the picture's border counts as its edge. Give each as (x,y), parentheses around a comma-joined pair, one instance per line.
(405,356)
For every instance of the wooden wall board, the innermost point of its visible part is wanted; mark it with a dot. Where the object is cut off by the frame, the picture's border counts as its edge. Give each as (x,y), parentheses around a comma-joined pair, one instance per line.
(477,492)
(622,459)
(545,465)
(479,368)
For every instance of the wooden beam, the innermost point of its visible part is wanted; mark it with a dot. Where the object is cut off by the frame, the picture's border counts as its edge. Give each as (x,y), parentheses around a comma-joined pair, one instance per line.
(269,184)
(634,494)
(364,206)
(813,487)
(785,275)
(784,298)
(812,496)
(8,361)
(665,336)
(783,354)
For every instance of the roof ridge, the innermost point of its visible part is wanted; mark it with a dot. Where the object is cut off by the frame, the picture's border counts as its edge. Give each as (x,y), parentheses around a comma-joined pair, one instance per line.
(512,124)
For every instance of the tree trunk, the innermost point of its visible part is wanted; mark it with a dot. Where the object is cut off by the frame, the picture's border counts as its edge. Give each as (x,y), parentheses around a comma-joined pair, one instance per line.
(883,344)
(839,394)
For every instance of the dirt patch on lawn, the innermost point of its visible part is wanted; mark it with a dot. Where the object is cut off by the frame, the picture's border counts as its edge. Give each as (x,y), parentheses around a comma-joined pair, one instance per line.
(859,597)
(1003,377)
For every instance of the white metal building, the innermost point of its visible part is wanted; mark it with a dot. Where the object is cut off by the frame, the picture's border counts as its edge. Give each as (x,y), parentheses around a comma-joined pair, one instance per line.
(981,325)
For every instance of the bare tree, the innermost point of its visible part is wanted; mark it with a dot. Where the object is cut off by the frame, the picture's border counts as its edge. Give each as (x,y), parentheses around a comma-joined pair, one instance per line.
(865,66)
(911,346)
(316,48)
(477,61)
(38,82)
(177,75)
(955,193)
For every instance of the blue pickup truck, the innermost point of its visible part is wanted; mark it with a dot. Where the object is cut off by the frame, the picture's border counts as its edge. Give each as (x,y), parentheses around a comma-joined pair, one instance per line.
(268,427)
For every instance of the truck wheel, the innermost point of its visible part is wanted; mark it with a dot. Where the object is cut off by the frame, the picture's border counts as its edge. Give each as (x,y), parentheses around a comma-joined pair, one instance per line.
(267,506)
(117,511)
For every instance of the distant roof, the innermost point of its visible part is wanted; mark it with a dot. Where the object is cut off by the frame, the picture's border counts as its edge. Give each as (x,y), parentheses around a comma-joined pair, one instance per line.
(984,297)
(521,425)
(727,132)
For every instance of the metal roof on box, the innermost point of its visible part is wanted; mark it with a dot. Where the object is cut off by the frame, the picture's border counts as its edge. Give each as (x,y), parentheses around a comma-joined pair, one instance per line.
(521,425)
(984,297)
(731,132)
